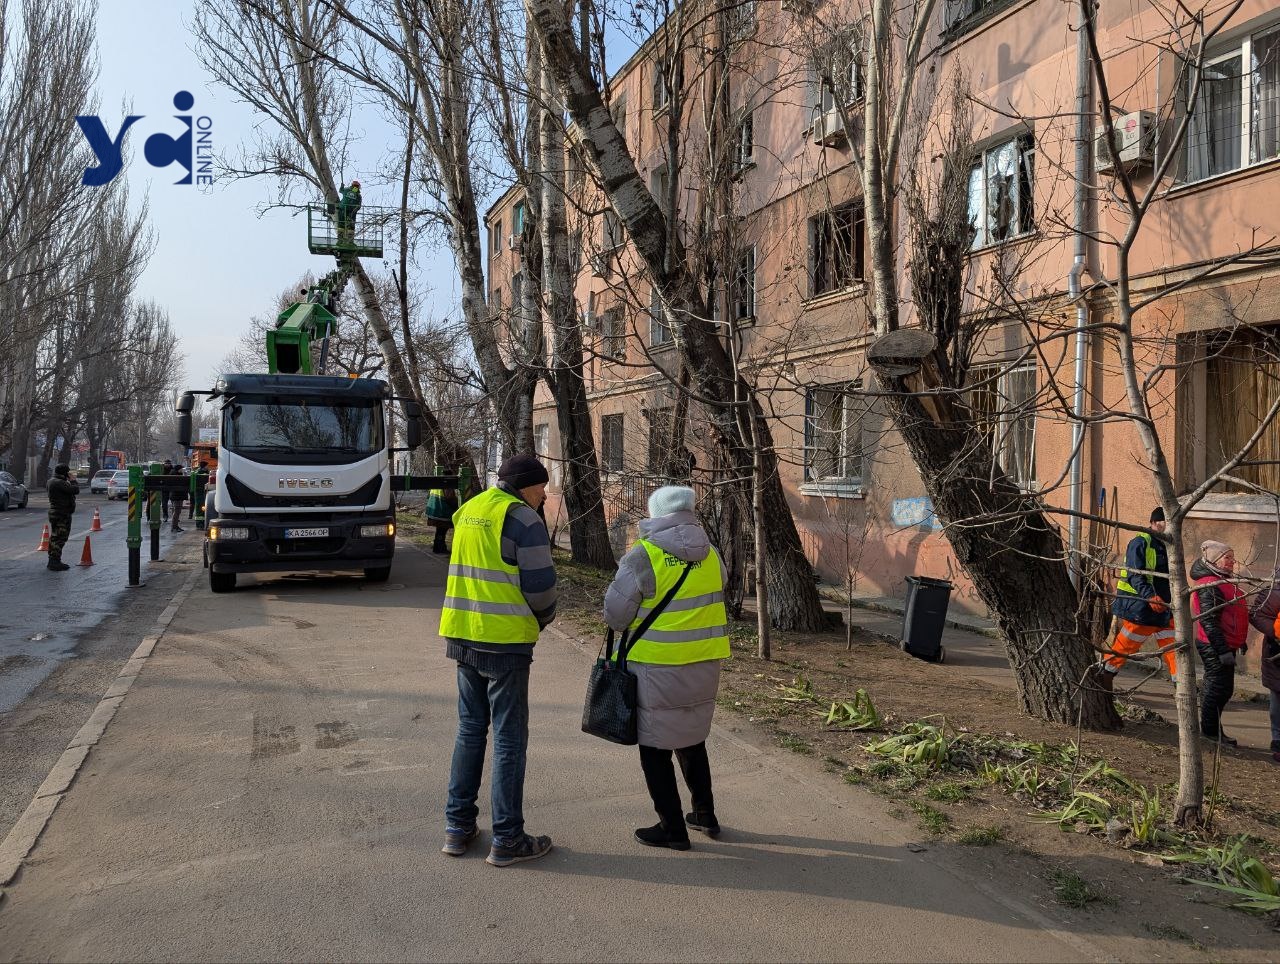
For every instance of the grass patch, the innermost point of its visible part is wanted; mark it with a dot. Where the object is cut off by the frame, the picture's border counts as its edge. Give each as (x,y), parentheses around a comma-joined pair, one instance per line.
(884,769)
(952,792)
(931,819)
(980,836)
(855,778)
(1072,890)
(795,744)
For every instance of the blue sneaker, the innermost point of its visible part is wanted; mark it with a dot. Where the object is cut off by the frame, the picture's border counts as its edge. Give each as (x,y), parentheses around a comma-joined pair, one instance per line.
(523,848)
(456,841)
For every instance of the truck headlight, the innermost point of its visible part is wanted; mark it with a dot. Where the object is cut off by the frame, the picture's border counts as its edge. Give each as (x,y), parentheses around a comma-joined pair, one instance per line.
(386,530)
(226,533)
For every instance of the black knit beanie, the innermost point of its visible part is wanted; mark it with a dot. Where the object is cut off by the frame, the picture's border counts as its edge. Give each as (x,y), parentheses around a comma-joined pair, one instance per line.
(1157,514)
(522,471)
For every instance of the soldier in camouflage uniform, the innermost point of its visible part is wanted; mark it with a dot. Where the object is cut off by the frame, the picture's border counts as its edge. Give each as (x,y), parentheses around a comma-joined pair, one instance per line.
(62,506)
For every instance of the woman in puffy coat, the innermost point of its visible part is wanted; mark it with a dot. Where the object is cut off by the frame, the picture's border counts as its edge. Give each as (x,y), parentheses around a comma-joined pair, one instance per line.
(1265,617)
(1222,628)
(676,661)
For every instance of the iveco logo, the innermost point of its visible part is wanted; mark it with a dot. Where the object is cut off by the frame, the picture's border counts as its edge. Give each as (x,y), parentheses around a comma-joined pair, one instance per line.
(306,483)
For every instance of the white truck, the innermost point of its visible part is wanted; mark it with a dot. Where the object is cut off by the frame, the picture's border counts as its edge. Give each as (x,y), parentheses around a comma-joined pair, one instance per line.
(303,480)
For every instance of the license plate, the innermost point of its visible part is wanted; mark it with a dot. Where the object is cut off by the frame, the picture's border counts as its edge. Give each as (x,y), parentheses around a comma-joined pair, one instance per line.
(306,533)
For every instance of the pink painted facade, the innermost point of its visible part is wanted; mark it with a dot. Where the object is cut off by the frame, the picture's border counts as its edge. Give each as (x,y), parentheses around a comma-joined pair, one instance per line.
(856,496)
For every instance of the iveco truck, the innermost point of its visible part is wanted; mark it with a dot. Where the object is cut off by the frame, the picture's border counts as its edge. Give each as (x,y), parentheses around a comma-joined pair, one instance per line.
(303,479)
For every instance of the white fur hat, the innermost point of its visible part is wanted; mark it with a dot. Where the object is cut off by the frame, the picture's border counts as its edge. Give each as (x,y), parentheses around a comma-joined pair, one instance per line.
(669,499)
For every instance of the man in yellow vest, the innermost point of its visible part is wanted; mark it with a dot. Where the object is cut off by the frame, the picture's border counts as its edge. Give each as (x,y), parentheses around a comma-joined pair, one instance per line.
(501,592)
(1141,604)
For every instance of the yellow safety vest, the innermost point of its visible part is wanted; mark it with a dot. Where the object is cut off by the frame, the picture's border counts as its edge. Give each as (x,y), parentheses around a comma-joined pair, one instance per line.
(1122,584)
(482,599)
(693,627)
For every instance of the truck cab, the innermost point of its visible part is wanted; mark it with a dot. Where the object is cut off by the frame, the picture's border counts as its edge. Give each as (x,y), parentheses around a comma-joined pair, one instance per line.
(303,477)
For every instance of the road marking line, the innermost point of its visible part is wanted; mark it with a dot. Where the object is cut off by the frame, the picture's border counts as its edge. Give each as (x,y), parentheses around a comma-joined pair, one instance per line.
(21,840)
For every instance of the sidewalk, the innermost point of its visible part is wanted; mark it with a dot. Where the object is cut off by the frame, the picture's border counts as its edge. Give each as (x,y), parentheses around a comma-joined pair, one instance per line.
(271,788)
(973,648)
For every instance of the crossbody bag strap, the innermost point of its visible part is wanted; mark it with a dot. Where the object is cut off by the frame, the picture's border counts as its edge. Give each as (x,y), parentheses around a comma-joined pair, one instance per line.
(628,640)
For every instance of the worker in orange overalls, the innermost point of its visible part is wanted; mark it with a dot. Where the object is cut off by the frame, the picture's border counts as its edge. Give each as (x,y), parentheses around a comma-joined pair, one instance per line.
(1141,603)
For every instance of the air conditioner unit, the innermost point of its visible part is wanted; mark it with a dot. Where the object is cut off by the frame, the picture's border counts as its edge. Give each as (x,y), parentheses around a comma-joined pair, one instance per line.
(1135,136)
(516,242)
(828,128)
(590,321)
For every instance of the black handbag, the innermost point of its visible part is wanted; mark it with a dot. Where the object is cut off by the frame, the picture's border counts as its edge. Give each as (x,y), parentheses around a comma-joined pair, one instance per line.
(610,710)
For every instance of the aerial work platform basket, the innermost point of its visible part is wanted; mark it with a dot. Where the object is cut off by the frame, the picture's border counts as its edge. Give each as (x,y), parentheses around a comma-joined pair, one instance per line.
(329,233)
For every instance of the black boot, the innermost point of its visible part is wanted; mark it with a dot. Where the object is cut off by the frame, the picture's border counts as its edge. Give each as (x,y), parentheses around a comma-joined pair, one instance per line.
(57,565)
(659,836)
(660,778)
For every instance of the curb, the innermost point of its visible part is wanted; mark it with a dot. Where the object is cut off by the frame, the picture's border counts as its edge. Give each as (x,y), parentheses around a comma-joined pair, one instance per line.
(24,835)
(989,631)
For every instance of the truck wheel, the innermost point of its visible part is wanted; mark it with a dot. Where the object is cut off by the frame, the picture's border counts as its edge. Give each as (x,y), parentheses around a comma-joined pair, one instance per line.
(222,581)
(380,574)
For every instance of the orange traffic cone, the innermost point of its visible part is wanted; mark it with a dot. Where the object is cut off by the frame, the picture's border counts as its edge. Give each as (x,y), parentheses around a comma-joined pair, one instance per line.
(86,557)
(97,522)
(44,539)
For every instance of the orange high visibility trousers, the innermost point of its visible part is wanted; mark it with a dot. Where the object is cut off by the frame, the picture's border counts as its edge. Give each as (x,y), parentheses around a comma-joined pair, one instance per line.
(1130,638)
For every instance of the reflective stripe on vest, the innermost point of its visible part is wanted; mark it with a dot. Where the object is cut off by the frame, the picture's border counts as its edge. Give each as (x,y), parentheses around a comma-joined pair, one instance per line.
(1122,584)
(482,599)
(693,627)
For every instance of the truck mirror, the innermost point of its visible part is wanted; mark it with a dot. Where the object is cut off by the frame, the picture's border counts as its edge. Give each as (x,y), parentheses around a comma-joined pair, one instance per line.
(186,403)
(412,422)
(184,428)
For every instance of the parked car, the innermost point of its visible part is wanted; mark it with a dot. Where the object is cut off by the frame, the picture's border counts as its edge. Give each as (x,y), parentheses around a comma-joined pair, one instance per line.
(99,482)
(118,485)
(12,492)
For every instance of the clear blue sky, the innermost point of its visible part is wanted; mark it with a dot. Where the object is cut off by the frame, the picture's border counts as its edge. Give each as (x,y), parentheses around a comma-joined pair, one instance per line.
(217,261)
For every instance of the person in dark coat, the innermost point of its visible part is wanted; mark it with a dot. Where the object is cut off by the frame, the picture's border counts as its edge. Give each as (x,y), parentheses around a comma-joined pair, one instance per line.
(1222,629)
(1141,604)
(62,489)
(348,206)
(166,469)
(176,498)
(677,660)
(1265,617)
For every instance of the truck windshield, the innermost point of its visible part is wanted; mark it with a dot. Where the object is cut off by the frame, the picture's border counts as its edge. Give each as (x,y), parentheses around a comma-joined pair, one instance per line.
(292,429)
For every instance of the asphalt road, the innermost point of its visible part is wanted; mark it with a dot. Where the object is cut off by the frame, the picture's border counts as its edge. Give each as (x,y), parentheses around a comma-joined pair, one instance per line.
(271,788)
(64,635)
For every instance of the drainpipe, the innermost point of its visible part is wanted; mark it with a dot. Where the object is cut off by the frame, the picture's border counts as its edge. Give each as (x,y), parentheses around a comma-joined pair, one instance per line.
(1080,265)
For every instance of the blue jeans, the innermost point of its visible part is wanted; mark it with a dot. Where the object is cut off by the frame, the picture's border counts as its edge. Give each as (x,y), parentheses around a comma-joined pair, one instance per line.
(504,700)
(1275,721)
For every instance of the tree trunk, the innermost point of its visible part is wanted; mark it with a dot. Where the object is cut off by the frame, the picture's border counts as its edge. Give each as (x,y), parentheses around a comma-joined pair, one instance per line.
(583,499)
(1000,536)
(685,309)
(1187,808)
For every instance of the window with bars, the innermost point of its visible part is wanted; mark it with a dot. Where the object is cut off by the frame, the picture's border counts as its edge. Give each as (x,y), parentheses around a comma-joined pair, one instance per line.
(611,449)
(842,59)
(745,148)
(1001,183)
(961,16)
(614,332)
(661,82)
(835,417)
(1235,120)
(1003,405)
(1230,381)
(661,428)
(836,241)
(742,18)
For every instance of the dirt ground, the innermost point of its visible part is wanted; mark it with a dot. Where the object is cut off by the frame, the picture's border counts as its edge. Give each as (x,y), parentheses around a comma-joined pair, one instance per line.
(786,700)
